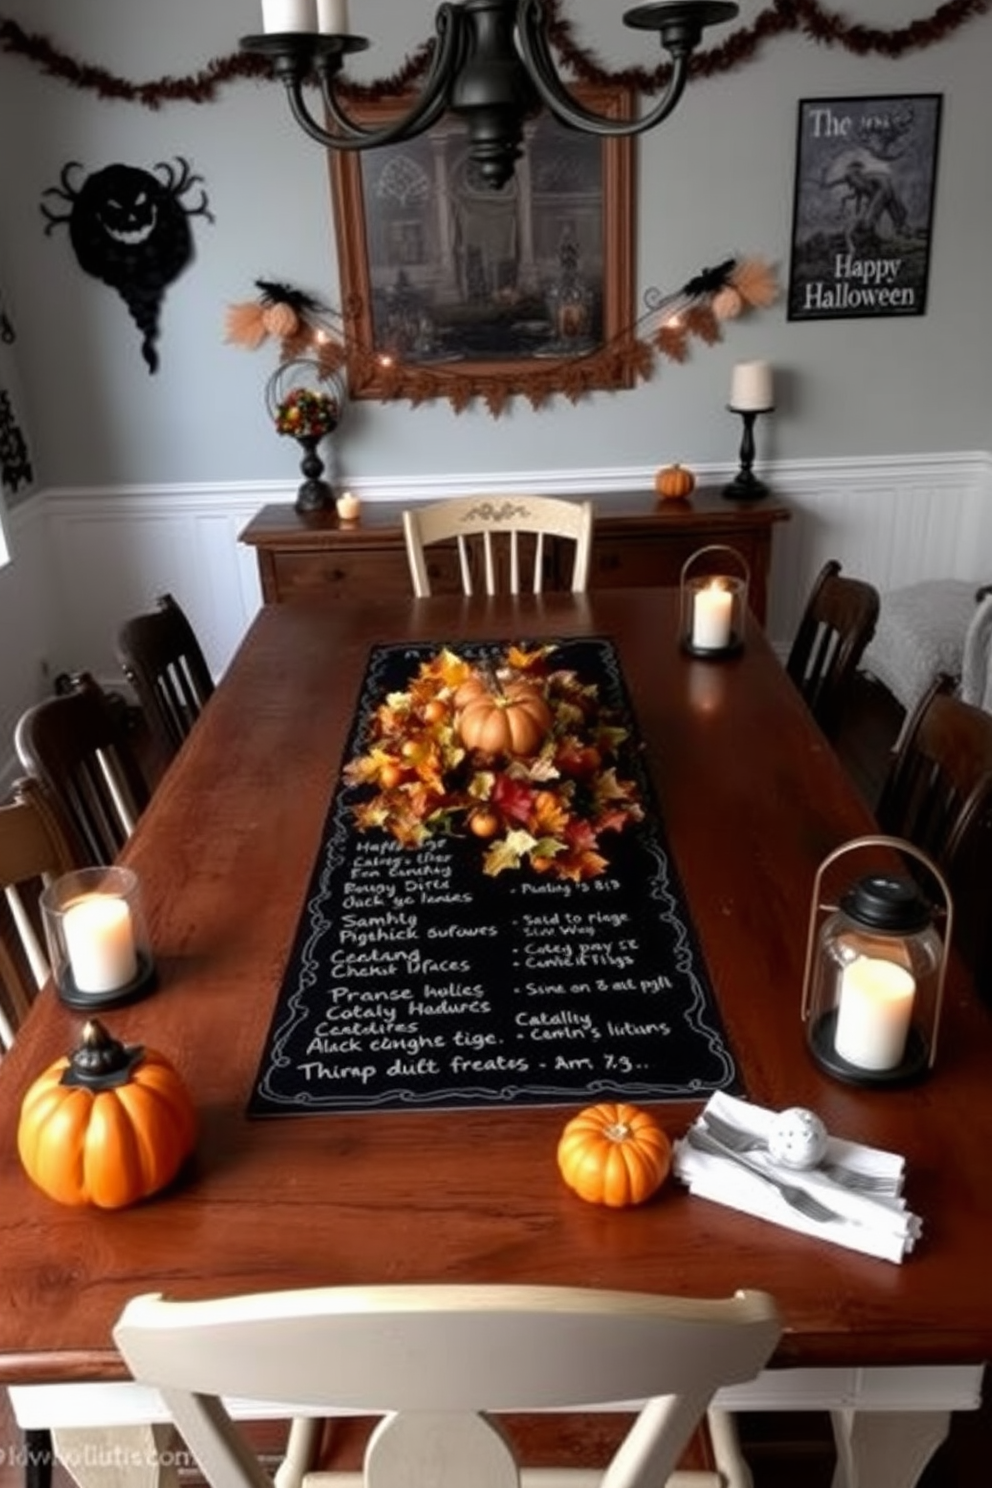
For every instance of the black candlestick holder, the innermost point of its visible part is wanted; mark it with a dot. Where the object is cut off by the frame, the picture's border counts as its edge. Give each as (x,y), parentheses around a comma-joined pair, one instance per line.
(745,485)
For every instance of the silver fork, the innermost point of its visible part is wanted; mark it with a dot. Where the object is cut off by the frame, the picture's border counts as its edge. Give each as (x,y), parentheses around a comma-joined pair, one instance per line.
(799,1199)
(743,1142)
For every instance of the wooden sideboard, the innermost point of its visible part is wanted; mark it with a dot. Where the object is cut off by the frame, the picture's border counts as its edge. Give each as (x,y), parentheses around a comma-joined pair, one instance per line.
(639,540)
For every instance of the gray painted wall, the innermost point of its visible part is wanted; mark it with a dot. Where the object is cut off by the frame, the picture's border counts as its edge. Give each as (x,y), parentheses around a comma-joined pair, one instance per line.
(717,179)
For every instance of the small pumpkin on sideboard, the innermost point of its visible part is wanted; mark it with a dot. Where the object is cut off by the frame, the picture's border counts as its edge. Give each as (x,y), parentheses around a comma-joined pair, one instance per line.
(106,1125)
(674,482)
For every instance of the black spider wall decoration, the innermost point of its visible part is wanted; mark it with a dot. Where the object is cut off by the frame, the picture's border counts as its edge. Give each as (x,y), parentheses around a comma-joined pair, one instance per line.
(130,229)
(15,460)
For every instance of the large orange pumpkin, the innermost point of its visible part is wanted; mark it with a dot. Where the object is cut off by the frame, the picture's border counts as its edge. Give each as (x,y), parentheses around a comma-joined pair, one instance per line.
(106,1125)
(514,719)
(614,1154)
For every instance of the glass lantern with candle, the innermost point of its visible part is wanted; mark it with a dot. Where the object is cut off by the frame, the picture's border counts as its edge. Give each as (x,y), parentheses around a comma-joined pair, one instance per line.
(97,939)
(714,587)
(875,962)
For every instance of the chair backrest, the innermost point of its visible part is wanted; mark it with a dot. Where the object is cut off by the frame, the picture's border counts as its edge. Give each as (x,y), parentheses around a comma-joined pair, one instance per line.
(938,794)
(36,846)
(77,746)
(838,622)
(436,1361)
(164,663)
(497,522)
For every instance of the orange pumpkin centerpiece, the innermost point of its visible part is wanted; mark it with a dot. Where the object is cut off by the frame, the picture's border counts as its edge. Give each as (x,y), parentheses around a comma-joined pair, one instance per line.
(614,1154)
(106,1125)
(497,718)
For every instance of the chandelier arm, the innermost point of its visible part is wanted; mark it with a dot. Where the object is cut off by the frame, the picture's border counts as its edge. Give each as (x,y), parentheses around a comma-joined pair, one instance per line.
(536,52)
(428,107)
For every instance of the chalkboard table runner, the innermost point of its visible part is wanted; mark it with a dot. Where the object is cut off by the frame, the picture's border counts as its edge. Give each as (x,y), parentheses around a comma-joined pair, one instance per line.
(417,982)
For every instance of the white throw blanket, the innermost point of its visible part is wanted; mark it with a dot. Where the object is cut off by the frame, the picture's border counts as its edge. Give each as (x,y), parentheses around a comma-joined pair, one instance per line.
(976,666)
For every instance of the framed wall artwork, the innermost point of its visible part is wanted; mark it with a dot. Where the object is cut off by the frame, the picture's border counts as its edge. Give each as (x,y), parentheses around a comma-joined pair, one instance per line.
(448,285)
(863,206)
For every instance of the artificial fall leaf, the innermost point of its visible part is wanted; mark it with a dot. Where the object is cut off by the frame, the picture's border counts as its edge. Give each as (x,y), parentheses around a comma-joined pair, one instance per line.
(549,816)
(520,660)
(507,853)
(512,797)
(244,326)
(578,866)
(368,767)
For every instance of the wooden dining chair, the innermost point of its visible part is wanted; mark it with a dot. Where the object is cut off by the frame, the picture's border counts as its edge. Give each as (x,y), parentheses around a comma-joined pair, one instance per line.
(36,846)
(77,746)
(836,625)
(438,1362)
(938,795)
(162,659)
(487,531)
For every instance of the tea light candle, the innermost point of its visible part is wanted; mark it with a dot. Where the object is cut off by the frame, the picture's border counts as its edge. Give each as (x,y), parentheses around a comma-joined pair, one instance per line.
(751,387)
(348,506)
(876,1005)
(712,610)
(99,940)
(289,15)
(332,17)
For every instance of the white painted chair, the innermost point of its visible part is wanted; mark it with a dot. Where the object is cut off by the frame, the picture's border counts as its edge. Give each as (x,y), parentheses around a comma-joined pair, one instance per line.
(486,521)
(437,1363)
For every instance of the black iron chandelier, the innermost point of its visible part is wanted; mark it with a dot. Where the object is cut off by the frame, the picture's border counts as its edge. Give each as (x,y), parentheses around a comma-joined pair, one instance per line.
(492,66)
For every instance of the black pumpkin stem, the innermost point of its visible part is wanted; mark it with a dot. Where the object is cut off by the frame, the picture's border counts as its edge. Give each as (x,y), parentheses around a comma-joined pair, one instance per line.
(101,1062)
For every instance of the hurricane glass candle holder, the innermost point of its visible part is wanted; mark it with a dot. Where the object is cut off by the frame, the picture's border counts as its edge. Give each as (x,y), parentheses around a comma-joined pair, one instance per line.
(97,939)
(713,589)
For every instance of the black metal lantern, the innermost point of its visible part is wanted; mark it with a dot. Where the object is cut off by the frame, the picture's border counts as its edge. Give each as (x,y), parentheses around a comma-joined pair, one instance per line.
(874,979)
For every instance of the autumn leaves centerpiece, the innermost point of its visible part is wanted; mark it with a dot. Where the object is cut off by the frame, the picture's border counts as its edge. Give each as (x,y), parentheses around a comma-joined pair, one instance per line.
(511,751)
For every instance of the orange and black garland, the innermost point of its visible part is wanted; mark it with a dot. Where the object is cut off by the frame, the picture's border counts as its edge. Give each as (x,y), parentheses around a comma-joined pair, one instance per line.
(807,17)
(303,327)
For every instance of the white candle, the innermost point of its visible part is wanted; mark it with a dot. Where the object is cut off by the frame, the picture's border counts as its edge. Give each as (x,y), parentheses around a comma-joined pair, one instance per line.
(876,1005)
(712,611)
(99,940)
(289,15)
(332,17)
(348,506)
(751,387)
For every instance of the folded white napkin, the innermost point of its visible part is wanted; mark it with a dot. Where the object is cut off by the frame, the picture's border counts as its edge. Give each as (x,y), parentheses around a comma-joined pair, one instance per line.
(876,1223)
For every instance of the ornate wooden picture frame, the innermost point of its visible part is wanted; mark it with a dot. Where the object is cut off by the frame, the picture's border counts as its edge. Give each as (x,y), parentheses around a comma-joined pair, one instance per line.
(450,289)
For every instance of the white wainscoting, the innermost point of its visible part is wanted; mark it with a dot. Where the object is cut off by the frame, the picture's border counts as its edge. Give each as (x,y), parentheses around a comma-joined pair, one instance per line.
(86,559)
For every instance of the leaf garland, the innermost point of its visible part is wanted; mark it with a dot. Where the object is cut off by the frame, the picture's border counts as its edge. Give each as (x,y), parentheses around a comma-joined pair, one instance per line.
(808,17)
(668,326)
(548,810)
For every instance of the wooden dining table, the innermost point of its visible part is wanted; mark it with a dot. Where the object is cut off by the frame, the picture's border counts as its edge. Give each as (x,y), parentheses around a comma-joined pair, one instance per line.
(752,799)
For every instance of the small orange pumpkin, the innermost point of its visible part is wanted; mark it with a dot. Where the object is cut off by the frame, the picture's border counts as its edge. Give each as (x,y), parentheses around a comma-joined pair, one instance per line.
(674,482)
(614,1154)
(106,1125)
(494,719)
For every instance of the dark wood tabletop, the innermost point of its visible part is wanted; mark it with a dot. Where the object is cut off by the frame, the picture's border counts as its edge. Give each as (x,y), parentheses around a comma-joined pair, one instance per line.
(752,800)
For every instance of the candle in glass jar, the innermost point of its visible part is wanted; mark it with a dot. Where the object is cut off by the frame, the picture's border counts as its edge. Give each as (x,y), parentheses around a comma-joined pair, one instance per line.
(289,15)
(751,387)
(99,941)
(332,17)
(874,1012)
(348,506)
(712,612)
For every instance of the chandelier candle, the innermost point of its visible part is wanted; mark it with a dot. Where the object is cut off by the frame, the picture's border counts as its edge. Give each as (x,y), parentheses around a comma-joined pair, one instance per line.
(289,15)
(332,17)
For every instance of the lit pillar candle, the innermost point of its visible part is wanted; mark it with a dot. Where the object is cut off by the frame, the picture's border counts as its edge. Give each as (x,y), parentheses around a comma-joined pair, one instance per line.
(99,941)
(332,17)
(751,387)
(873,1016)
(289,15)
(712,610)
